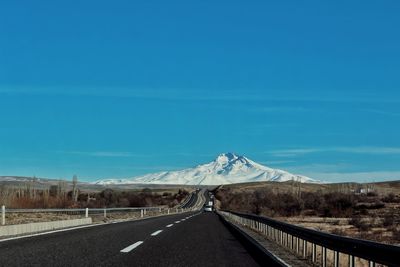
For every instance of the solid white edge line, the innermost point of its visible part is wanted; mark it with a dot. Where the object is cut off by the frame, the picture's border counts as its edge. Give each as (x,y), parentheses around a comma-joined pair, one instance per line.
(81,227)
(77,227)
(131,247)
(156,232)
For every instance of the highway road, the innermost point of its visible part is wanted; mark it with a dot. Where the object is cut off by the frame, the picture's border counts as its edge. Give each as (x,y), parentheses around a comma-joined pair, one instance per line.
(188,239)
(192,200)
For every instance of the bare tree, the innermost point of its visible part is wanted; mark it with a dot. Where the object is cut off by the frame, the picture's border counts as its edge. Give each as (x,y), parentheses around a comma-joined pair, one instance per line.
(75,188)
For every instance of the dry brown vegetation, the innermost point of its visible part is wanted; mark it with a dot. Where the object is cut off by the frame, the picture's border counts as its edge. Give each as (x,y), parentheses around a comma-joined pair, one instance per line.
(341,209)
(61,196)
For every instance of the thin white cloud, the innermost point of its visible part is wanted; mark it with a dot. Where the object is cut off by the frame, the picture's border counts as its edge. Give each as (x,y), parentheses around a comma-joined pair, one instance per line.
(102,153)
(280,109)
(294,152)
(382,112)
(276,162)
(369,150)
(354,150)
(202,94)
(321,168)
(342,172)
(136,155)
(263,128)
(355,176)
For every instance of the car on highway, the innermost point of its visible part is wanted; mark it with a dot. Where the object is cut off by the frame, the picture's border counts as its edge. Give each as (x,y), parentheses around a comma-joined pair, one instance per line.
(208,208)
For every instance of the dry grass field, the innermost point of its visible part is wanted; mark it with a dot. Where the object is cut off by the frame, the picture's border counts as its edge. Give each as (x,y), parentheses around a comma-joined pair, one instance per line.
(366,211)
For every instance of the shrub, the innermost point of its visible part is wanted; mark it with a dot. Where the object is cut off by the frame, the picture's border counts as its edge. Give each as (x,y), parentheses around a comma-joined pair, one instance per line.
(391,198)
(396,235)
(388,220)
(338,231)
(362,225)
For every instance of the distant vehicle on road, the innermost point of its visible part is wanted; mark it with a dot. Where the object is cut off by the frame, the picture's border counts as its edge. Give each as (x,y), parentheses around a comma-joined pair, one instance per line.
(208,208)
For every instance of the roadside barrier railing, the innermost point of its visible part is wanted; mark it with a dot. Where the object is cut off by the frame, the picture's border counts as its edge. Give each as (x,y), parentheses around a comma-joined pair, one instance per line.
(86,212)
(317,246)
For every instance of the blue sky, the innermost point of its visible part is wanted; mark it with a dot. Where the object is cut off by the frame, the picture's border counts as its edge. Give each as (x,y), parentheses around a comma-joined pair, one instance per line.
(116,89)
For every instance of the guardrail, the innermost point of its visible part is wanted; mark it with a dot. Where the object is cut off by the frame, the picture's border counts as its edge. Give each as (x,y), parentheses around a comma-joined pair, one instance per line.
(300,240)
(189,197)
(93,211)
(104,212)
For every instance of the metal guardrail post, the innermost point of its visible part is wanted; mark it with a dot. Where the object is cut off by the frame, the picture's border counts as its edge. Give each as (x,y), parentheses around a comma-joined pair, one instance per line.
(287,240)
(314,252)
(336,258)
(323,257)
(141,213)
(3,215)
(86,212)
(292,242)
(105,213)
(351,261)
(304,248)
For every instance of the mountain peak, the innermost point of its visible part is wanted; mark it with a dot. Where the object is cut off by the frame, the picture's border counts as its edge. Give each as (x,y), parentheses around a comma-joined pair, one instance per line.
(226,157)
(227,168)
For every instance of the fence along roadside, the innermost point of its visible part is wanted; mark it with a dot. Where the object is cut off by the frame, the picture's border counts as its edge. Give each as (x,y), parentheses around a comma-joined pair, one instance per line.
(298,238)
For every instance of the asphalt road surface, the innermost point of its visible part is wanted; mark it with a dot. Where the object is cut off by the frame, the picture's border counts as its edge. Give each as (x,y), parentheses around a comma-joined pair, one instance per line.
(190,239)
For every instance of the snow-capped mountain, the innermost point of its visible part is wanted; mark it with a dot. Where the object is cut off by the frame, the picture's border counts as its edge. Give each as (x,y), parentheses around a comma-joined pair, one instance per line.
(227,168)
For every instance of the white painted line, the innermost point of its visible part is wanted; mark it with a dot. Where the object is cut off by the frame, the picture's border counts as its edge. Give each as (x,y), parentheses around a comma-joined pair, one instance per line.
(169,225)
(81,227)
(177,222)
(131,247)
(156,233)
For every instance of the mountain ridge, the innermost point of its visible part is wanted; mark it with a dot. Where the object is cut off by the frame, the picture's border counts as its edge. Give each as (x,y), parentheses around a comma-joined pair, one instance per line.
(227,168)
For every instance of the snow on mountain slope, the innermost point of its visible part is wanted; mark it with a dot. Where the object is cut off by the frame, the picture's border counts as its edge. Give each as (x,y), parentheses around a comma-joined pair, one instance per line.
(227,168)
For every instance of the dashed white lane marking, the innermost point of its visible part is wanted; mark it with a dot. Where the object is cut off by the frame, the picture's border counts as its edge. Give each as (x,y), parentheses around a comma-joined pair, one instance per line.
(156,233)
(131,247)
(169,225)
(177,222)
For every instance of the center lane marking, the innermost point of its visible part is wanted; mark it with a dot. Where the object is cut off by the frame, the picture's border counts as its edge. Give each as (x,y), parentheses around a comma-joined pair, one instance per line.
(156,232)
(169,225)
(131,247)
